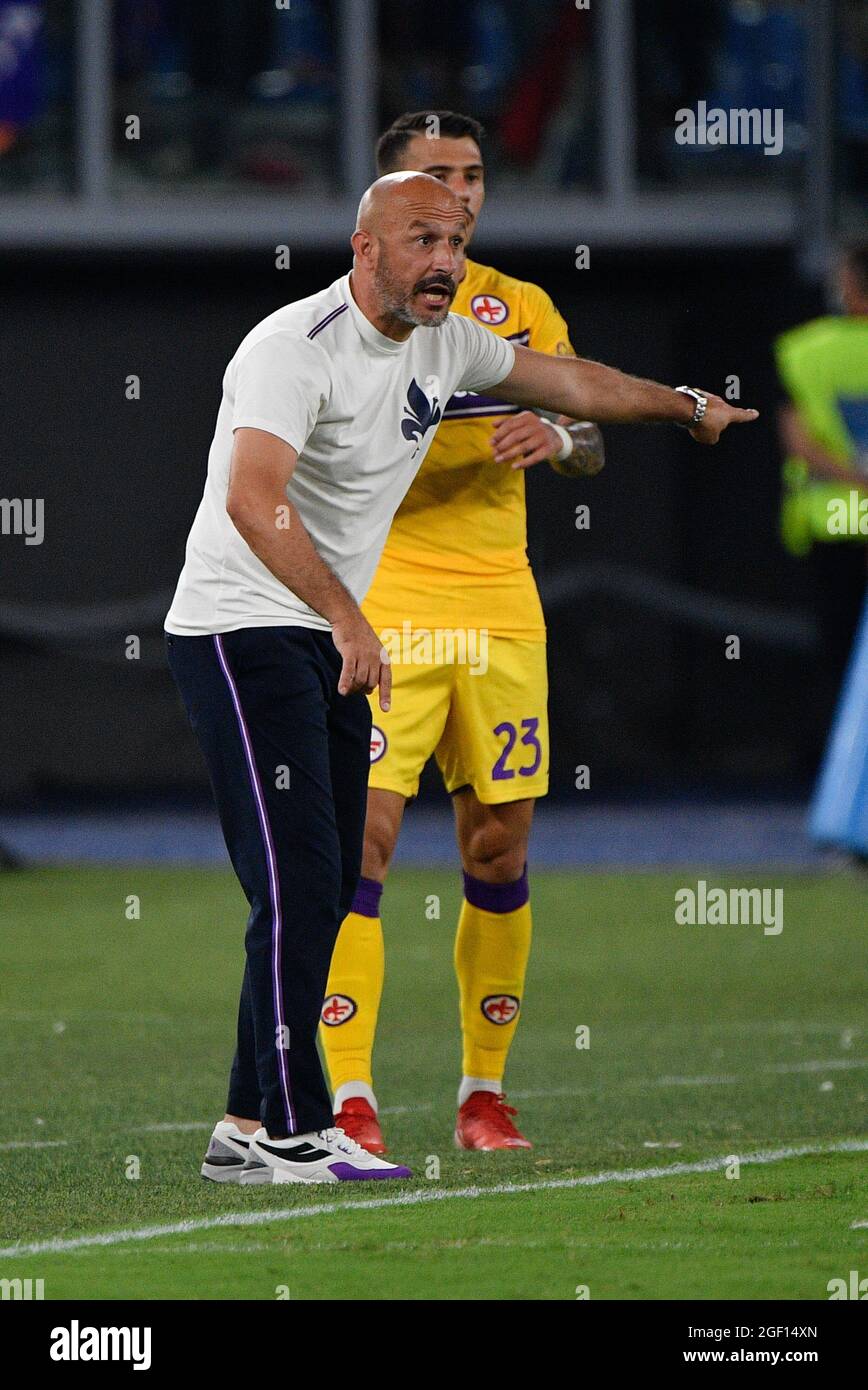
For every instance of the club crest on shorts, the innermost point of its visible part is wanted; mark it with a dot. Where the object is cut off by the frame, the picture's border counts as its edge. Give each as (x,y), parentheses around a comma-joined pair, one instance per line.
(379,743)
(337,1009)
(489,309)
(500,1008)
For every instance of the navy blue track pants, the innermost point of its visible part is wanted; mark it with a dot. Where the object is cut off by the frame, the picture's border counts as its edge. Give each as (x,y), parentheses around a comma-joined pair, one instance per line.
(288,760)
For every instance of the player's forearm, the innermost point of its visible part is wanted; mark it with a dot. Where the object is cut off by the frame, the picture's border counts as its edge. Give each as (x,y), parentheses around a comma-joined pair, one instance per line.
(796,440)
(607,396)
(822,466)
(587,390)
(288,551)
(588,453)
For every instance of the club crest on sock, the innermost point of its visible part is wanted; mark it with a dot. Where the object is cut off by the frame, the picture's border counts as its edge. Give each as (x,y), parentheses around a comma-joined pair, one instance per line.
(337,1009)
(500,1008)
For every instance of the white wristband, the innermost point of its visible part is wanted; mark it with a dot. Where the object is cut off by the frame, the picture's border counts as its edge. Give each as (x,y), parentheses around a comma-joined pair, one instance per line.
(566,441)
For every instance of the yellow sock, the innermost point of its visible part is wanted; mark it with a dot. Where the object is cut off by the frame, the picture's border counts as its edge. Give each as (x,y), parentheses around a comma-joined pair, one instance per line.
(491,954)
(349,1013)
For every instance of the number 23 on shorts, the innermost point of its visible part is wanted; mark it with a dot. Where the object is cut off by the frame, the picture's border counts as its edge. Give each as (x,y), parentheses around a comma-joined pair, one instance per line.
(528,740)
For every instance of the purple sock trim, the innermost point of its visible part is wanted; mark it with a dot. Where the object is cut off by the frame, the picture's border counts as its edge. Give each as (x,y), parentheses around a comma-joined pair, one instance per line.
(497,897)
(367,900)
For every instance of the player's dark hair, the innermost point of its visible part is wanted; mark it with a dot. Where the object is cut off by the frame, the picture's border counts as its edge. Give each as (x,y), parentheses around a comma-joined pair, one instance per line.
(393,142)
(857,259)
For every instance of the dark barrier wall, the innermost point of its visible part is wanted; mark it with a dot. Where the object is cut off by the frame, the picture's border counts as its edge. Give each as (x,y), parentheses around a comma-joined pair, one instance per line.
(680,553)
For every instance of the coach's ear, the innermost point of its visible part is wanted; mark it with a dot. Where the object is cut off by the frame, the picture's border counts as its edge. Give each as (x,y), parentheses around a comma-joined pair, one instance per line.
(364,248)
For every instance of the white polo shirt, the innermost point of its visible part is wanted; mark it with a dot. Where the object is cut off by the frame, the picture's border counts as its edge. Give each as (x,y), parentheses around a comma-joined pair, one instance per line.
(360,410)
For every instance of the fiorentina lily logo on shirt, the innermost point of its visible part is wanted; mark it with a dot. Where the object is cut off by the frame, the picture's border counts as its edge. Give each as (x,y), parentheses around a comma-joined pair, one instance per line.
(422,414)
(489,309)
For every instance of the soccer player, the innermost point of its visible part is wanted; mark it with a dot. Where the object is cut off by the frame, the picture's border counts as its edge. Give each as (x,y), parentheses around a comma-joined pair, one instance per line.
(328,410)
(456,559)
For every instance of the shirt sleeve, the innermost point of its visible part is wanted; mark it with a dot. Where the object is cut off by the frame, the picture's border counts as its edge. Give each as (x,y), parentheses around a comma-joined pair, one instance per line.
(281,385)
(548,332)
(486,358)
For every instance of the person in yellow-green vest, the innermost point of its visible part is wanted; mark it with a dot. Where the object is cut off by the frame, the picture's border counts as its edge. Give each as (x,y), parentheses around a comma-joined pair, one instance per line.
(823,367)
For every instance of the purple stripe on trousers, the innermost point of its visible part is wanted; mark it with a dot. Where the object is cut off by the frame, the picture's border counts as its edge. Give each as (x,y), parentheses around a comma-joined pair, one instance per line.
(497,897)
(274,890)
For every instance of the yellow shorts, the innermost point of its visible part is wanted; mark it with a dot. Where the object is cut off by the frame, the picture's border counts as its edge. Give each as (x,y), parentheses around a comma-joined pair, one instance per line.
(480,708)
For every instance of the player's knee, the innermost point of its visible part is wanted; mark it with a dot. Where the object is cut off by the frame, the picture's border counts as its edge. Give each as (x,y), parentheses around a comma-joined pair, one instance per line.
(496,850)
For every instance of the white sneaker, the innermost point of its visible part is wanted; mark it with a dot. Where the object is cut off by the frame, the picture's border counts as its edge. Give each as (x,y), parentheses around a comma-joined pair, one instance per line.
(227,1153)
(328,1155)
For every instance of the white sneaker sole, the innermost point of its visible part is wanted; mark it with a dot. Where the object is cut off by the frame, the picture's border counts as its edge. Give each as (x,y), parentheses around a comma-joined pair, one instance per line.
(218,1172)
(252,1177)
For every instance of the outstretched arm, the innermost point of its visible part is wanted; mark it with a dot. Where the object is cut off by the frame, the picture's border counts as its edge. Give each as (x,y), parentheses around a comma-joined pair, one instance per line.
(587,390)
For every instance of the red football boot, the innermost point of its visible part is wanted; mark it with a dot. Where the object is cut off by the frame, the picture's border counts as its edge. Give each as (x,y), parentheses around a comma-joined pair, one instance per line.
(484,1123)
(358,1119)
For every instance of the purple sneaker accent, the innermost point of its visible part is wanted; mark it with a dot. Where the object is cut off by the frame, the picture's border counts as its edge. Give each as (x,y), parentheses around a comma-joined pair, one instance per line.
(347,1172)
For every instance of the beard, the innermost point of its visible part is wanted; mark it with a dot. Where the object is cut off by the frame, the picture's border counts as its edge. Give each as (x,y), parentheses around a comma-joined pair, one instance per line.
(397,299)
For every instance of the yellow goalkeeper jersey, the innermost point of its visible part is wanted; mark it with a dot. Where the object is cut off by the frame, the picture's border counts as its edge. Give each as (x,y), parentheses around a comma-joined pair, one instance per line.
(457,550)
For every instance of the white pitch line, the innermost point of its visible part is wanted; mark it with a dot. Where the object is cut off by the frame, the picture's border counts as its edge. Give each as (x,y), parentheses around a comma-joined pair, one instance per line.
(696,1081)
(780,1068)
(417,1198)
(33,1143)
(183,1126)
(405,1109)
(835,1064)
(858,1225)
(556,1091)
(632,1085)
(171,1127)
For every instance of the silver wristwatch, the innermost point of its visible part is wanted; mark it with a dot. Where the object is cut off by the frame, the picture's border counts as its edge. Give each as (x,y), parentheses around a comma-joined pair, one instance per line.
(701,404)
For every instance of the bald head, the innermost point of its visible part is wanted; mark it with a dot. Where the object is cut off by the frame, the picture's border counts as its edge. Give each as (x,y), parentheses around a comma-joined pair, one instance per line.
(404,196)
(409,243)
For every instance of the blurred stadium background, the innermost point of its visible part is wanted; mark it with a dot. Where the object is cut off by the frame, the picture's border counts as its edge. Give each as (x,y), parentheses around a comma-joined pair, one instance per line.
(154,153)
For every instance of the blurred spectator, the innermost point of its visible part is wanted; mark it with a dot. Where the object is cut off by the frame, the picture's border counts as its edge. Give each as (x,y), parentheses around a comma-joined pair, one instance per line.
(742,54)
(224,43)
(21,73)
(853,96)
(229,88)
(512,65)
(677,44)
(37,83)
(552,95)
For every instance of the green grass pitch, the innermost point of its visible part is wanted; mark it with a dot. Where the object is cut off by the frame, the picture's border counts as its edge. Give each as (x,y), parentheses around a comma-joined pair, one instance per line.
(705,1042)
